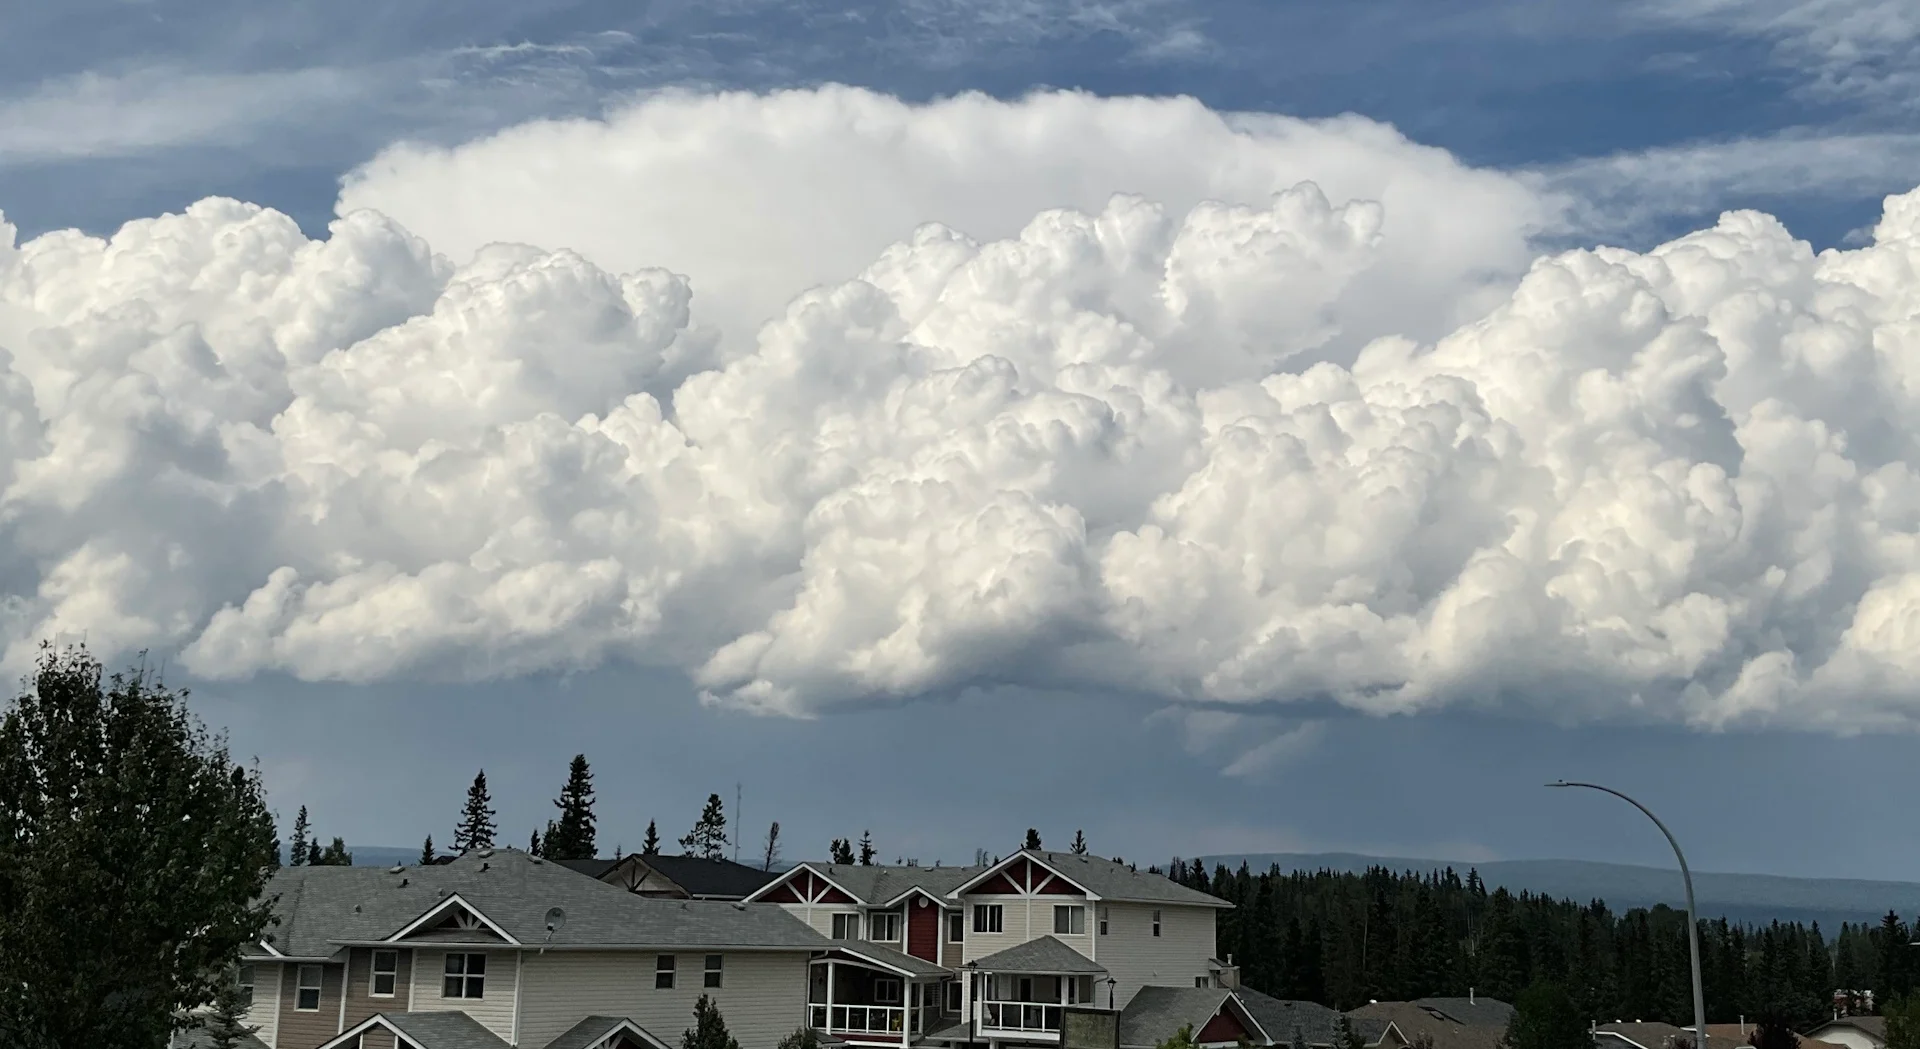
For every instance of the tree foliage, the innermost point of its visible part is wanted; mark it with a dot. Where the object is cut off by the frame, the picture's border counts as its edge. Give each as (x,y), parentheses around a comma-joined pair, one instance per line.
(1182,1039)
(709,1029)
(476,827)
(426,851)
(134,854)
(866,848)
(771,854)
(1903,1021)
(334,855)
(571,837)
(840,852)
(650,845)
(225,1023)
(708,838)
(1545,1017)
(302,834)
(801,1038)
(1079,846)
(1032,840)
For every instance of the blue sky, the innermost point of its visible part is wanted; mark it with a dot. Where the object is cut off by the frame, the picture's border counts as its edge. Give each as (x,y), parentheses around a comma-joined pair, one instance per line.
(1660,115)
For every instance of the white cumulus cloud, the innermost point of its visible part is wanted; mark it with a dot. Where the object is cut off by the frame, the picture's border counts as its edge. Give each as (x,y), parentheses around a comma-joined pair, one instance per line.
(1234,437)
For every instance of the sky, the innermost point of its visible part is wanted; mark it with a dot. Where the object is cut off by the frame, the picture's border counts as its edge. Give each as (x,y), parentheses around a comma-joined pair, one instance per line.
(1252,425)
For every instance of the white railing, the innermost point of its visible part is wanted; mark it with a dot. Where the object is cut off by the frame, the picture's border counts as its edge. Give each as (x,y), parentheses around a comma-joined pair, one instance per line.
(1020,1016)
(859,1019)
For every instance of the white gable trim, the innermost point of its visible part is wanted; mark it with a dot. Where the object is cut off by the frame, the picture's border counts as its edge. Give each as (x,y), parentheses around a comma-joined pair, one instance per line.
(1031,858)
(349,1038)
(942,903)
(439,909)
(754,897)
(626,1026)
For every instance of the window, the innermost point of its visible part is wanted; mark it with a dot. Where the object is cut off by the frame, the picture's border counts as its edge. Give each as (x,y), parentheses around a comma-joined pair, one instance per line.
(1156,923)
(988,917)
(1103,921)
(886,991)
(953,996)
(1070,921)
(846,926)
(386,969)
(1199,981)
(956,927)
(1080,990)
(663,972)
(306,995)
(466,976)
(883,926)
(714,963)
(244,979)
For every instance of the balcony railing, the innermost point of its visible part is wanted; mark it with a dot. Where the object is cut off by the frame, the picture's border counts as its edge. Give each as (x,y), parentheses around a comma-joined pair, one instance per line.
(1020,1016)
(859,1019)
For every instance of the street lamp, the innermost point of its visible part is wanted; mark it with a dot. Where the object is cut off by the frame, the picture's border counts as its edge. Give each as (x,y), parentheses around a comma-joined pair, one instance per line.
(1693,920)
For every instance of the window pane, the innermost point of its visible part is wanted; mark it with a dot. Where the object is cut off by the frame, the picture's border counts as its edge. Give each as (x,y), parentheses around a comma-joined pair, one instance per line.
(451,988)
(456,964)
(476,987)
(476,964)
(309,999)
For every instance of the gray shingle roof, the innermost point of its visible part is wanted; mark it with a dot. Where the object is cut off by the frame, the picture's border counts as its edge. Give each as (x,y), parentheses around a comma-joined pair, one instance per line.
(321,907)
(719,878)
(897,959)
(1117,881)
(1472,1012)
(1156,1014)
(1414,1019)
(1044,955)
(881,884)
(591,1030)
(448,1030)
(1318,1024)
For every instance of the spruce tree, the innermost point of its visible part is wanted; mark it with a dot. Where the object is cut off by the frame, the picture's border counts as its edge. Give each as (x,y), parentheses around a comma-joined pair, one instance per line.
(336,855)
(314,855)
(840,853)
(225,1022)
(708,838)
(709,1029)
(302,833)
(572,837)
(771,854)
(650,845)
(866,848)
(1544,1017)
(533,843)
(426,851)
(1032,840)
(476,818)
(1079,845)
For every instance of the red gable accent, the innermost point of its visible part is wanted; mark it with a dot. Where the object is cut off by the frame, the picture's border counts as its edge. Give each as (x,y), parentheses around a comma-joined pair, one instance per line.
(783,894)
(923,929)
(1058,887)
(997,883)
(1224,1027)
(833,895)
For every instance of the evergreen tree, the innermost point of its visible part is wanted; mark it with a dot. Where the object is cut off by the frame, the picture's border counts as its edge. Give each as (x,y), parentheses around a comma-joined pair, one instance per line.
(772,852)
(302,833)
(314,855)
(273,859)
(476,818)
(134,856)
(1345,1036)
(801,1038)
(336,855)
(1903,1021)
(533,843)
(708,838)
(225,1022)
(709,1029)
(840,852)
(866,848)
(426,851)
(1544,1017)
(650,846)
(1079,845)
(1182,1039)
(572,837)
(1032,840)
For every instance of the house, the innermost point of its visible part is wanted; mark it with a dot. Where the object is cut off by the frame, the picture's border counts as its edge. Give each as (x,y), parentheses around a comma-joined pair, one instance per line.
(994,955)
(1854,1032)
(1443,1023)
(1639,1035)
(1316,1026)
(1742,1033)
(499,948)
(678,877)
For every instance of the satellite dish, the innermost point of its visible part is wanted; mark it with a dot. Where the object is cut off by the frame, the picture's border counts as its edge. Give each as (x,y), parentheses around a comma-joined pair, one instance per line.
(556,919)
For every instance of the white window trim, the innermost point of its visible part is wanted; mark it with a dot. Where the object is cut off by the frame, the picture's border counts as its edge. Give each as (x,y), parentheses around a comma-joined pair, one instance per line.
(983,912)
(301,986)
(1156,923)
(715,971)
(244,978)
(847,921)
(667,965)
(880,982)
(1070,911)
(374,973)
(1103,921)
(883,918)
(957,922)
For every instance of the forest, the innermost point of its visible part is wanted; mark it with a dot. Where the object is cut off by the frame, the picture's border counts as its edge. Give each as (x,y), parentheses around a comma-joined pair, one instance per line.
(1344,939)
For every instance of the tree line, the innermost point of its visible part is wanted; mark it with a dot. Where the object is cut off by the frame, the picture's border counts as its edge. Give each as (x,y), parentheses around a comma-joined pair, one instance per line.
(1344,939)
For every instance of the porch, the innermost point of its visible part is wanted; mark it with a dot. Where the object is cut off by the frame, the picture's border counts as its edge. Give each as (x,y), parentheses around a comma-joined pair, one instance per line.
(1020,993)
(874,995)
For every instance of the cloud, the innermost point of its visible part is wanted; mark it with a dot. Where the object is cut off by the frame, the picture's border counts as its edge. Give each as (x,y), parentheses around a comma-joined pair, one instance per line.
(1159,444)
(1855,50)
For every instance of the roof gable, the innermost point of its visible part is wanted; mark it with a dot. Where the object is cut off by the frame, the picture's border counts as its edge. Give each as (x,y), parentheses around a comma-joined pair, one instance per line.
(437,1030)
(803,884)
(453,920)
(1023,874)
(606,1032)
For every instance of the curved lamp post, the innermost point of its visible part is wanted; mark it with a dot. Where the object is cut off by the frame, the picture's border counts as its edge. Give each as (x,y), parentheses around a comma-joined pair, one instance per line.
(1693,921)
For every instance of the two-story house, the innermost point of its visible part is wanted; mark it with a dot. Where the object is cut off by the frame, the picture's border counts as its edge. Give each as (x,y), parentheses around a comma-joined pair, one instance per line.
(499,948)
(994,955)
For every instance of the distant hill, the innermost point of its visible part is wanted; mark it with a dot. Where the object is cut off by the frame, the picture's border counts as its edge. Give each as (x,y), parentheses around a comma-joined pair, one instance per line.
(1750,898)
(383,855)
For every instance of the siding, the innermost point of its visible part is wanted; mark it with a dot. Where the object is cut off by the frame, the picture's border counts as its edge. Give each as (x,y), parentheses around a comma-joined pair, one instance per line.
(924,930)
(494,1011)
(1026,918)
(820,916)
(264,1014)
(298,1030)
(360,1000)
(1136,958)
(763,996)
